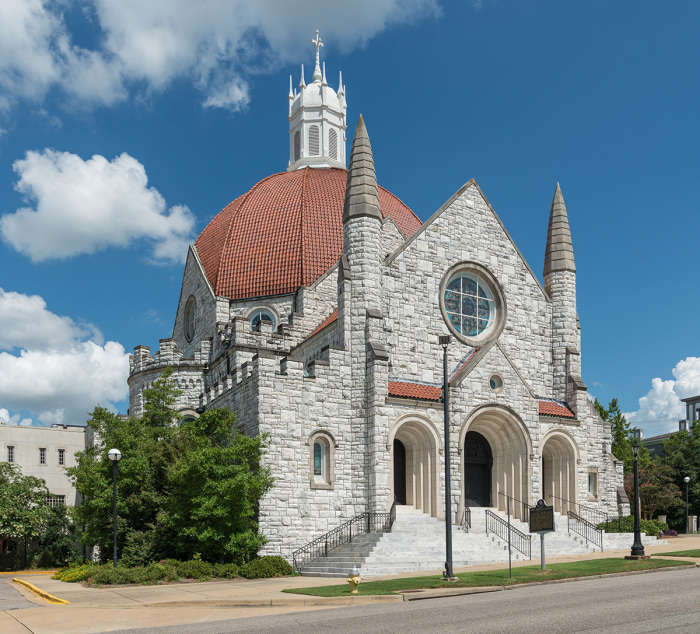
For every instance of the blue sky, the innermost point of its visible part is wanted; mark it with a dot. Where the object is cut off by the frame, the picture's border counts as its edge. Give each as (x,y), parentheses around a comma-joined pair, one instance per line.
(125,127)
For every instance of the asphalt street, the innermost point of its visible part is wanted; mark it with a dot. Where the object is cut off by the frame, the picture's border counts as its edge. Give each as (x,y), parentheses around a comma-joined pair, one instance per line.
(10,597)
(667,601)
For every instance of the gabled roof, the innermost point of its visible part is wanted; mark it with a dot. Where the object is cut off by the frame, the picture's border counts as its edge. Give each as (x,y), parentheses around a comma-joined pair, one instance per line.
(326,322)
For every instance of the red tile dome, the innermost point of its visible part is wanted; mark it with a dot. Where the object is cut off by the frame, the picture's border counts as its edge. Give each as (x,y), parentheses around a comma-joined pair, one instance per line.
(284,233)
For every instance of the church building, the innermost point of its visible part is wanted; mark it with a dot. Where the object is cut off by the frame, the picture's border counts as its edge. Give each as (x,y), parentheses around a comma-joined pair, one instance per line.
(313,306)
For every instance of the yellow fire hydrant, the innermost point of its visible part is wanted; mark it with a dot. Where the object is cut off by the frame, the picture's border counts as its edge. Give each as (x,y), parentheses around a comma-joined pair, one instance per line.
(354,579)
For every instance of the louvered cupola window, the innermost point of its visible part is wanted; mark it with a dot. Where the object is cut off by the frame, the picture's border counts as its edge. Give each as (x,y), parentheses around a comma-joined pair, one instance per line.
(297,145)
(333,144)
(313,140)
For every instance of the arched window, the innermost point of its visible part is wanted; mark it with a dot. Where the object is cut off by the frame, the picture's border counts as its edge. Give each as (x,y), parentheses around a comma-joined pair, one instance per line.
(313,141)
(297,145)
(258,316)
(321,460)
(190,318)
(333,144)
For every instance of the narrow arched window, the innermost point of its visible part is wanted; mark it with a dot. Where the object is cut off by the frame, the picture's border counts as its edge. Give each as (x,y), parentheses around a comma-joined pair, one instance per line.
(321,460)
(318,459)
(313,140)
(297,145)
(333,144)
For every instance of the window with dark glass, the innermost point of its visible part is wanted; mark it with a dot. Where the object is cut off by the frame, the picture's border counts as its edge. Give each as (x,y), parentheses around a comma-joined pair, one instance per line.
(318,458)
(61,457)
(10,454)
(42,456)
(297,145)
(259,316)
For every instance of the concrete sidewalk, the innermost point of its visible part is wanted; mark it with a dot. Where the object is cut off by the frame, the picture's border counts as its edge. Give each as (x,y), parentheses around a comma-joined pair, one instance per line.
(103,610)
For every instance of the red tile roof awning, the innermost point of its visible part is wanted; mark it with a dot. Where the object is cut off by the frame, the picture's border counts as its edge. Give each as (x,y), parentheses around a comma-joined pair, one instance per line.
(327,322)
(552,408)
(414,390)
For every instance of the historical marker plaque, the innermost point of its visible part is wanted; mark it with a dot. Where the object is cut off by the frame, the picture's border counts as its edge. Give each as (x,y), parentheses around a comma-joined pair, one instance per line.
(542,518)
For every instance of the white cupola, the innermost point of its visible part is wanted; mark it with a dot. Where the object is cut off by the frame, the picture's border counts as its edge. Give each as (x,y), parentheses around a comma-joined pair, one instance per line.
(316,120)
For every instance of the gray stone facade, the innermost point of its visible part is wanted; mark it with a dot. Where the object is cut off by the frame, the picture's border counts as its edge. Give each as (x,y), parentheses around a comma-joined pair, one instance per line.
(517,384)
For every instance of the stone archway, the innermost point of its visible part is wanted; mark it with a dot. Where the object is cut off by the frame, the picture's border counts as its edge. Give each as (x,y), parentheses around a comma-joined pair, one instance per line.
(414,451)
(511,448)
(559,472)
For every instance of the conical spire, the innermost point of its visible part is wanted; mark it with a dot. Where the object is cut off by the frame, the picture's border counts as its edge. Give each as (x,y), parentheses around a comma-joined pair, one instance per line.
(302,83)
(318,44)
(361,194)
(559,254)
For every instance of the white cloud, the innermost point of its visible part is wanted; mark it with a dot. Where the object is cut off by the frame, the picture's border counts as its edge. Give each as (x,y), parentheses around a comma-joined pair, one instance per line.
(13,419)
(82,206)
(216,44)
(661,408)
(60,374)
(25,323)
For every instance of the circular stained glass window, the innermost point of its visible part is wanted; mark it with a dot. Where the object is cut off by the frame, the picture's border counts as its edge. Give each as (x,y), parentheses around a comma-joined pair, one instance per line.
(469,304)
(190,319)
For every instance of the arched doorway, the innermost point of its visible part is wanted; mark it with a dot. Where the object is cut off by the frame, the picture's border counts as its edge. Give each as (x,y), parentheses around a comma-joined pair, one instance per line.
(478,461)
(415,466)
(559,472)
(399,472)
(505,447)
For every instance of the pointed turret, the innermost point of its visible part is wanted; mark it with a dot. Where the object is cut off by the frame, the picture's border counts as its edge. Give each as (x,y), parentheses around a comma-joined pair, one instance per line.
(559,253)
(361,194)
(302,83)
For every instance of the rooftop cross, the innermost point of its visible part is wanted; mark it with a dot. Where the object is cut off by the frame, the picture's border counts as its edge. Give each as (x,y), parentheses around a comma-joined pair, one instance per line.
(317,45)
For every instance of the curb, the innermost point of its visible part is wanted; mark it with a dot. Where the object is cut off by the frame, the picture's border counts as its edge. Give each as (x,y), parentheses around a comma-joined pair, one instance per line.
(39,592)
(267,603)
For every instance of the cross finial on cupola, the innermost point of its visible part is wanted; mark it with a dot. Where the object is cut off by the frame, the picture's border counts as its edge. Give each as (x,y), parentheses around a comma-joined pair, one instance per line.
(559,253)
(318,44)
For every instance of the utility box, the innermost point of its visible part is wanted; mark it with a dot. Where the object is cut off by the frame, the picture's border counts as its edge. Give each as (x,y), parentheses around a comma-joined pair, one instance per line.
(693,521)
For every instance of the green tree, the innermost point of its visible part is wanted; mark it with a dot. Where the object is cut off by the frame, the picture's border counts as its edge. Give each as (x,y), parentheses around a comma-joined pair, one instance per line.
(58,537)
(215,486)
(24,509)
(681,452)
(657,490)
(622,436)
(180,490)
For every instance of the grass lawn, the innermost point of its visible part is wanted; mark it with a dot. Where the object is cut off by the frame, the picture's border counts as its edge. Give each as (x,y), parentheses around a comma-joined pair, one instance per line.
(683,553)
(494,577)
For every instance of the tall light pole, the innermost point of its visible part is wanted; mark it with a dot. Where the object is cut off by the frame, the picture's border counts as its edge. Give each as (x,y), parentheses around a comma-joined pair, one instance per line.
(444,342)
(115,456)
(687,517)
(637,546)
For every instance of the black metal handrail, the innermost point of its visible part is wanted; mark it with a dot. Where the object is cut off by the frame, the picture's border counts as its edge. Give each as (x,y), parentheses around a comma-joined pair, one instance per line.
(467,517)
(525,507)
(593,515)
(344,534)
(519,540)
(586,529)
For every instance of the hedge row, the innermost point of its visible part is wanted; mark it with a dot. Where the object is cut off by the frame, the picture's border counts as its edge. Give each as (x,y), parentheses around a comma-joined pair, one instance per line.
(173,570)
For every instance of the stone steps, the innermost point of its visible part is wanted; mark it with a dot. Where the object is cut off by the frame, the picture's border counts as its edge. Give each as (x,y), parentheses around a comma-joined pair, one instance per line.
(417,542)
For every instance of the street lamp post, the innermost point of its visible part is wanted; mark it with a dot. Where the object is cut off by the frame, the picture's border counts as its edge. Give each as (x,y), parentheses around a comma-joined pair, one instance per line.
(115,456)
(687,517)
(637,546)
(444,342)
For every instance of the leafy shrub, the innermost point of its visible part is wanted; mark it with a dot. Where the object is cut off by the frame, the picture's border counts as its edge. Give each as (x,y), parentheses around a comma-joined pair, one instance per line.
(108,575)
(226,571)
(195,569)
(138,549)
(626,525)
(668,533)
(76,572)
(265,567)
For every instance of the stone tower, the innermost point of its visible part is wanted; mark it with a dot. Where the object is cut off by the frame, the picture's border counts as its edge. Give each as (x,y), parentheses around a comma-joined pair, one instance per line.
(316,120)
(560,285)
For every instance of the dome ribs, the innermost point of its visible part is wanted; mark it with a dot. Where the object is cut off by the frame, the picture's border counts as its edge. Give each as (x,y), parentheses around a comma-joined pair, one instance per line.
(285,232)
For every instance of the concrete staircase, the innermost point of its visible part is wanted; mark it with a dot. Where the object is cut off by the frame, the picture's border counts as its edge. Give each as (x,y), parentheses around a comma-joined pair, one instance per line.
(417,542)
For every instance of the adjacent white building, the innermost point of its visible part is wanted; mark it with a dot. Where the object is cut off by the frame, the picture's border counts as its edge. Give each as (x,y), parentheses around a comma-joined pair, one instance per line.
(45,452)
